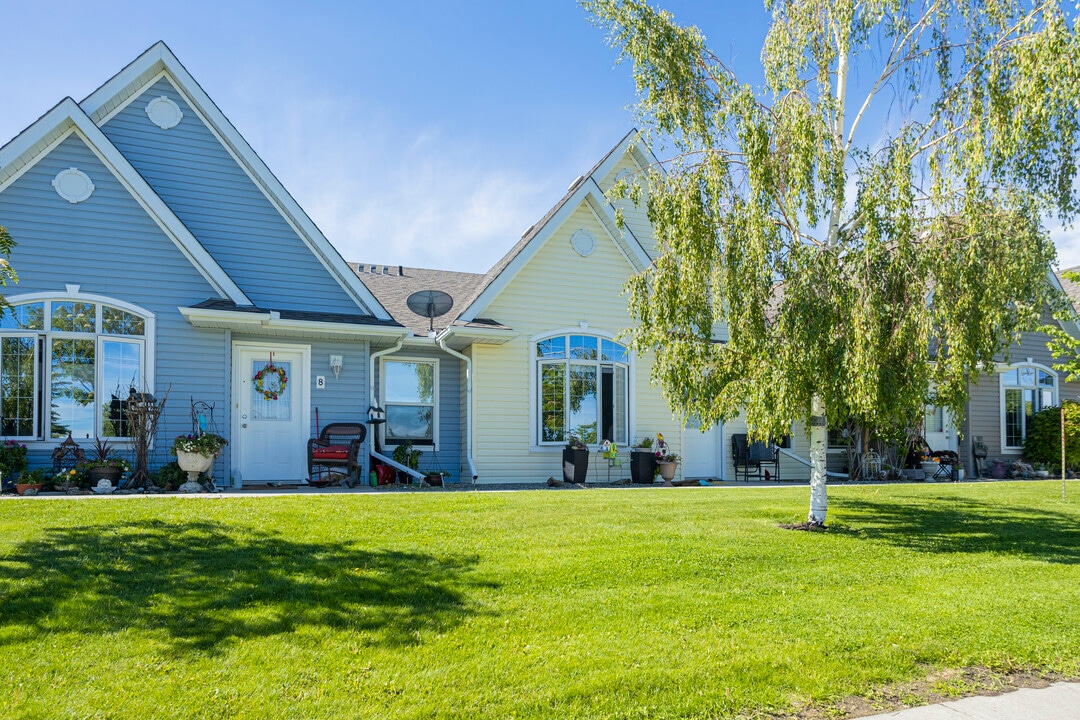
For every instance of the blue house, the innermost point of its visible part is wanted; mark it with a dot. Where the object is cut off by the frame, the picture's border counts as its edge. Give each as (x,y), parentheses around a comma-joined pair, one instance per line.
(157,251)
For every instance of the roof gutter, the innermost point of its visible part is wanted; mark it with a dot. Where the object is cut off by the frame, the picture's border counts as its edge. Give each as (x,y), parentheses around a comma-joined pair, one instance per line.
(468,404)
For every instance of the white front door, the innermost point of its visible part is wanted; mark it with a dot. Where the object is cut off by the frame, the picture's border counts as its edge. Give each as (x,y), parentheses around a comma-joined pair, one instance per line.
(271,424)
(702,451)
(939,429)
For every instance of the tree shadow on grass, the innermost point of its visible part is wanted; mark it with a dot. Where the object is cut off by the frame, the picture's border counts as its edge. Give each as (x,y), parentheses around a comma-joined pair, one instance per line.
(950,524)
(207,585)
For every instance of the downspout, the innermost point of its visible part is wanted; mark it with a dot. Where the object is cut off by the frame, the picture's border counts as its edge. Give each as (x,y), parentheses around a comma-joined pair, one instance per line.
(371,390)
(468,404)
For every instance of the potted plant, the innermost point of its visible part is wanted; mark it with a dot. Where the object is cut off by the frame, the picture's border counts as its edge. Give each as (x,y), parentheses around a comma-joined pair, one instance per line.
(34,480)
(105,465)
(437,477)
(642,462)
(196,454)
(666,463)
(575,460)
(405,454)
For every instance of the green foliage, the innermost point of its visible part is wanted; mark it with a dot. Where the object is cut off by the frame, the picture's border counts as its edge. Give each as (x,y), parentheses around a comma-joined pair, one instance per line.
(169,476)
(206,444)
(834,254)
(12,457)
(667,604)
(1043,441)
(404,454)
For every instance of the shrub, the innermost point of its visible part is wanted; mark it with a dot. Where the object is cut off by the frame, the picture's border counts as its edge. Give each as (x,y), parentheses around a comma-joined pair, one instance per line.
(169,476)
(1043,441)
(12,457)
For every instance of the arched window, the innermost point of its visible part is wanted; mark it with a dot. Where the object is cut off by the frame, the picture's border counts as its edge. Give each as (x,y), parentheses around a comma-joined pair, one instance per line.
(583,389)
(68,365)
(1025,390)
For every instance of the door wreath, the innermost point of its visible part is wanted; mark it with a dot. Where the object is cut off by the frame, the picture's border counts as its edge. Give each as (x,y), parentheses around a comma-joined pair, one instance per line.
(273,391)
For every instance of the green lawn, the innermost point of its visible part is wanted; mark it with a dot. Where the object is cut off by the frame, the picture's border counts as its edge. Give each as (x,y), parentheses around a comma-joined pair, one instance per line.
(642,603)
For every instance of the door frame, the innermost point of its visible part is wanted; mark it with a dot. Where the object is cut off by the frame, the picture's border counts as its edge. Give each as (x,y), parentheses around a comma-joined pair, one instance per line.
(304,386)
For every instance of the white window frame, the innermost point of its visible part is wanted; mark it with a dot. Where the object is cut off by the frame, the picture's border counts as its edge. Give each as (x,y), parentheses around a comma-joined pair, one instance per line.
(535,444)
(43,354)
(1003,387)
(435,406)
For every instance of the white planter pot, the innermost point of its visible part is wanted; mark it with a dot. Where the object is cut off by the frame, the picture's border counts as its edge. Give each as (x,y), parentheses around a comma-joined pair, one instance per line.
(194,462)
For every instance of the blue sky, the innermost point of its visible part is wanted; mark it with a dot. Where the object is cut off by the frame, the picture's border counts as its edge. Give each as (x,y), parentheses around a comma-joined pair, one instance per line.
(420,133)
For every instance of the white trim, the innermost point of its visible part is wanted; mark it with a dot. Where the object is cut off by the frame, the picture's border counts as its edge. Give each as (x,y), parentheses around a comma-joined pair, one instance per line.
(234,385)
(81,125)
(1001,369)
(74,198)
(435,408)
(147,343)
(631,395)
(163,121)
(208,112)
(270,321)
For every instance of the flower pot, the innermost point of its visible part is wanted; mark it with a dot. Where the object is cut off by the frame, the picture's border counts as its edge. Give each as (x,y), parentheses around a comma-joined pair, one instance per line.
(642,466)
(193,463)
(97,474)
(21,488)
(434,479)
(575,464)
(667,470)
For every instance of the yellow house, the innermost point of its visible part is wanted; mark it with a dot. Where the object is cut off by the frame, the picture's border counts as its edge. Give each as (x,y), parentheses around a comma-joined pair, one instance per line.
(530,352)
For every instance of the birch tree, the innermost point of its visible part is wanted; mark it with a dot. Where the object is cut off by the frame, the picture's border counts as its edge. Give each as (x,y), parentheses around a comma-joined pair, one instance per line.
(867,224)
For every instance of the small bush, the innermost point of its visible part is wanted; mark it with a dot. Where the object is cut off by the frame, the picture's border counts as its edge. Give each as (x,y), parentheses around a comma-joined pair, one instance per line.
(1043,441)
(169,476)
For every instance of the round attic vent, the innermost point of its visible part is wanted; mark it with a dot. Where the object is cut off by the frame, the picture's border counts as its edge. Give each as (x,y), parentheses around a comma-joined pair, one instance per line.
(583,242)
(164,113)
(73,185)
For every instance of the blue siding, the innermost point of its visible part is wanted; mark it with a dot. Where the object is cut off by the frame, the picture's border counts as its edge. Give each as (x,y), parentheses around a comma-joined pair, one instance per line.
(450,456)
(110,246)
(224,209)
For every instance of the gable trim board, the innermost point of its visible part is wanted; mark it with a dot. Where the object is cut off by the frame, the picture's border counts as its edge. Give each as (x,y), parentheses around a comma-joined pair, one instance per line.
(66,119)
(586,191)
(159,61)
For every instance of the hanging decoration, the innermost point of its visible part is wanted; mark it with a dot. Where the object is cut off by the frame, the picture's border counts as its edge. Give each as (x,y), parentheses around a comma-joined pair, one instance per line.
(264,380)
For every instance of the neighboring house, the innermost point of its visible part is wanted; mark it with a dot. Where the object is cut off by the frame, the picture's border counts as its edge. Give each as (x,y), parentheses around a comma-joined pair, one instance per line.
(1001,404)
(157,251)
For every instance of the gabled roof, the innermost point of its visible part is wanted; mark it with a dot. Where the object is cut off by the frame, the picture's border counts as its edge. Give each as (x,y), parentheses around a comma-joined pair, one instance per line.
(585,189)
(392,285)
(66,118)
(112,97)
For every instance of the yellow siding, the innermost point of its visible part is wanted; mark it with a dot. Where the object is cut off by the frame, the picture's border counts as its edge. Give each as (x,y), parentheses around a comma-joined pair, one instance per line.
(635,216)
(557,290)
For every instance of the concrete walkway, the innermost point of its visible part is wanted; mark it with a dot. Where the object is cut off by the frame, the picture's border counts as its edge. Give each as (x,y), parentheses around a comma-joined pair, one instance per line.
(1060,701)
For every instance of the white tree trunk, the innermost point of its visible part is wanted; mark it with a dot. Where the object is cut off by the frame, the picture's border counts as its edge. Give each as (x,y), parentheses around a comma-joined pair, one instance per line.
(819,435)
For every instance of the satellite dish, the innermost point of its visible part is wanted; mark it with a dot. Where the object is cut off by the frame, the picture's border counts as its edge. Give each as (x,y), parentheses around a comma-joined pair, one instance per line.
(431,304)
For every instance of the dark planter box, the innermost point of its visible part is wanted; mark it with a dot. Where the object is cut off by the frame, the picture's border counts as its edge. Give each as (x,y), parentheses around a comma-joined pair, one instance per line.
(575,465)
(642,466)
